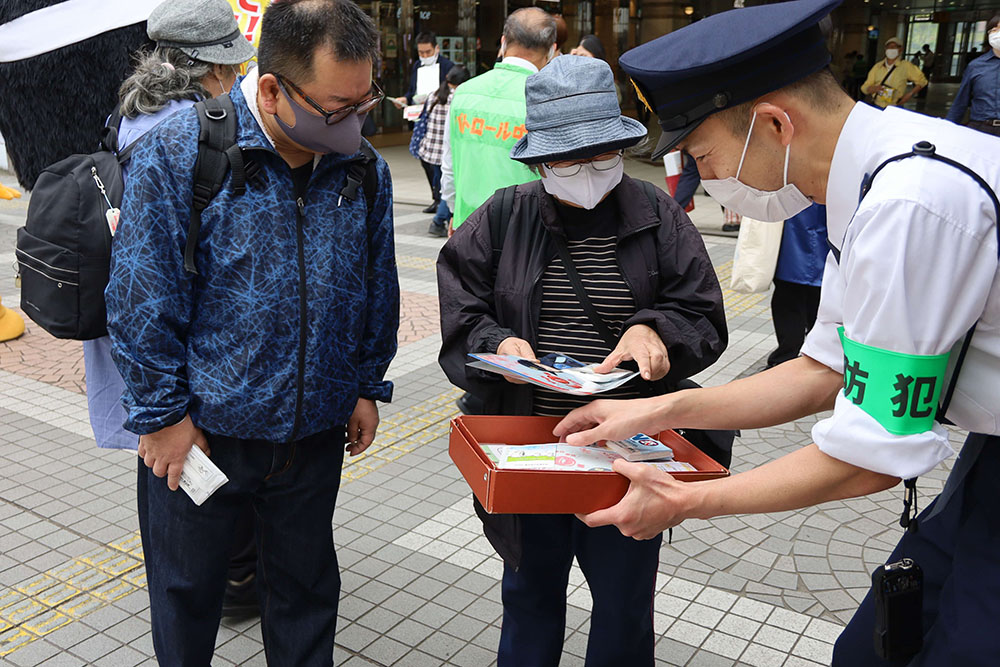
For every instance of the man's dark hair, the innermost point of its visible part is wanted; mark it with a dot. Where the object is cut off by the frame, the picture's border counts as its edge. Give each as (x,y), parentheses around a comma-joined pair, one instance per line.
(292,31)
(427,37)
(820,91)
(993,22)
(530,28)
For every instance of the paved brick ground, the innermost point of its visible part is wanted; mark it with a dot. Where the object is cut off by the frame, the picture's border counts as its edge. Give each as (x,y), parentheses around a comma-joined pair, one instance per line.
(420,583)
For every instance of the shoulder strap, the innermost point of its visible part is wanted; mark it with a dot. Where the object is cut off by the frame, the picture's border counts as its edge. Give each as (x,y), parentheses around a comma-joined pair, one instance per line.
(111,133)
(650,191)
(887,74)
(581,293)
(218,153)
(370,184)
(358,175)
(499,218)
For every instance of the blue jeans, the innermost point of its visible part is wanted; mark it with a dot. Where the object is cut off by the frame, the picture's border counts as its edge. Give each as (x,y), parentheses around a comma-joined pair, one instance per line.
(621,573)
(443,214)
(292,488)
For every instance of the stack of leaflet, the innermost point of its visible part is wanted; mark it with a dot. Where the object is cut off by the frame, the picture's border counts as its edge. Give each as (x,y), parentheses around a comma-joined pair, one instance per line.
(562,457)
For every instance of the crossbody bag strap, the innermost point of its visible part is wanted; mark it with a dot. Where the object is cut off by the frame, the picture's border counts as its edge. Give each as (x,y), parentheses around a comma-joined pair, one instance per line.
(581,292)
(887,75)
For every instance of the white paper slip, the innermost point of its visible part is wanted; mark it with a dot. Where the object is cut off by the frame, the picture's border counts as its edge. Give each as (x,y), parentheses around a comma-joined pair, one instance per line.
(200,477)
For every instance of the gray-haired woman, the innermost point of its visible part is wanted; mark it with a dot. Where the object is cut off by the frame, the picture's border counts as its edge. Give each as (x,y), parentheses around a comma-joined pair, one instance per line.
(198,45)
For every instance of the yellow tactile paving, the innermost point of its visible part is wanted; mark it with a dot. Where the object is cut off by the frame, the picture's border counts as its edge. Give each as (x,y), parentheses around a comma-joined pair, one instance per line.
(70,591)
(404,431)
(411,262)
(736,303)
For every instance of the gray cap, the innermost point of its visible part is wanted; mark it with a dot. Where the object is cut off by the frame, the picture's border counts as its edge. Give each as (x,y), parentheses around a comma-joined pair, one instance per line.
(205,30)
(573,113)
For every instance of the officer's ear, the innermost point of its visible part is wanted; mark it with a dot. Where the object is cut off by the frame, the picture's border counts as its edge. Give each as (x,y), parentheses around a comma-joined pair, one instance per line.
(776,121)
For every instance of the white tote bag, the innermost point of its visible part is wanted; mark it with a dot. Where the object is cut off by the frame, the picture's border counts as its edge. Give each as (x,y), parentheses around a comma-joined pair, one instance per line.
(756,256)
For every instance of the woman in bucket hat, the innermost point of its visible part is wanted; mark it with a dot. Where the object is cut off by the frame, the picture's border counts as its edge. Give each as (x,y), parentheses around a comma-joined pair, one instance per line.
(648,278)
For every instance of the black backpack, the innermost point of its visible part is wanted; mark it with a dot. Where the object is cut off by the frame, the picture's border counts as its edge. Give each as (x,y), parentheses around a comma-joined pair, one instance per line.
(64,249)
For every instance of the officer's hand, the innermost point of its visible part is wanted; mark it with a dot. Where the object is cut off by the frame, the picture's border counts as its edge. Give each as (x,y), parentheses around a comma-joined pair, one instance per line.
(642,344)
(166,450)
(361,426)
(400,102)
(654,502)
(611,420)
(518,347)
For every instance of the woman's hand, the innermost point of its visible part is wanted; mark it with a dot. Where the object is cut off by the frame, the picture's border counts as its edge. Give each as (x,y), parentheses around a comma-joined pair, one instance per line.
(519,348)
(641,344)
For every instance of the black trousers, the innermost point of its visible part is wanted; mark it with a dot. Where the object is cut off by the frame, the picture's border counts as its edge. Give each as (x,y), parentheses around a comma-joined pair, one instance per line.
(793,310)
(433,174)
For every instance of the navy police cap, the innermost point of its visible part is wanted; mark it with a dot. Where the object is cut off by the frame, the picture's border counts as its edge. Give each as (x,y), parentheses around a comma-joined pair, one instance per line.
(726,59)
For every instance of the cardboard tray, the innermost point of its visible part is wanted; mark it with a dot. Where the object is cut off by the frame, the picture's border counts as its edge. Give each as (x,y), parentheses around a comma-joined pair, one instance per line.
(544,491)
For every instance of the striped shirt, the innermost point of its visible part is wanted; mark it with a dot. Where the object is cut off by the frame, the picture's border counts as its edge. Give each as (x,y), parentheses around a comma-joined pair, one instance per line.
(563,324)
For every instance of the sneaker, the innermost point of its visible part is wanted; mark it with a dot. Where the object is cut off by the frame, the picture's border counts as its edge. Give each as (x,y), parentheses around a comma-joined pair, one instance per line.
(438,229)
(241,599)
(432,208)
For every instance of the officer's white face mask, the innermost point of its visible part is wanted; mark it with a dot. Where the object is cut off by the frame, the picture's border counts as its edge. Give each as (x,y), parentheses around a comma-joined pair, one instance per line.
(995,39)
(587,187)
(763,205)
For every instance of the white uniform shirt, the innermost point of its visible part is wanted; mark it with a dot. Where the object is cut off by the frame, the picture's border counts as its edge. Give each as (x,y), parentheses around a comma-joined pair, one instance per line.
(918,268)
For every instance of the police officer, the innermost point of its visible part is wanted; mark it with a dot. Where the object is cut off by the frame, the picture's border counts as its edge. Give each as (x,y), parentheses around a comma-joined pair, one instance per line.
(909,315)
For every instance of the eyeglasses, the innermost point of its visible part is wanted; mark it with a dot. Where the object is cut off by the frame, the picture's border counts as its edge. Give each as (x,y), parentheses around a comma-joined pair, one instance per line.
(604,162)
(337,115)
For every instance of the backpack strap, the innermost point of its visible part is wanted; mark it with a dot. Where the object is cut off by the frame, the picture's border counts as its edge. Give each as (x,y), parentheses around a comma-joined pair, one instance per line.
(110,134)
(499,218)
(650,191)
(362,174)
(218,153)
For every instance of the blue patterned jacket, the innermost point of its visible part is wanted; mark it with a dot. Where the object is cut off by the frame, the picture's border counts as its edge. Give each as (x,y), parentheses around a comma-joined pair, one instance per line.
(240,346)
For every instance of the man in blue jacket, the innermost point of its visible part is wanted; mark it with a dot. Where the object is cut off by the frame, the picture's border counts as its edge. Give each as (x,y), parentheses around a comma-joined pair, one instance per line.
(275,348)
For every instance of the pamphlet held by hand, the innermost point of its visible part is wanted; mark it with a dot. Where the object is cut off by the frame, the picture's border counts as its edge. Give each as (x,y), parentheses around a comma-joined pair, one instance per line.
(200,477)
(554,371)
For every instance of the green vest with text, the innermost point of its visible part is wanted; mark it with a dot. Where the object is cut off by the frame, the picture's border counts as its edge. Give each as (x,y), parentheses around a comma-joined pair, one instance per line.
(487,119)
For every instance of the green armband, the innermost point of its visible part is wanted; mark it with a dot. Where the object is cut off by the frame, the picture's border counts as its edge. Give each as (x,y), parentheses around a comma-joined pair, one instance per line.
(900,391)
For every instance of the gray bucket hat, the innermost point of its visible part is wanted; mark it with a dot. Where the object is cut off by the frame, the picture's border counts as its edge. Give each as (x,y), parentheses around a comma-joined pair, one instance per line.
(205,30)
(573,113)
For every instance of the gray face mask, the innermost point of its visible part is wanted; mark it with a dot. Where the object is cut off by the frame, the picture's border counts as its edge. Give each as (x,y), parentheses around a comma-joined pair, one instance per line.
(311,131)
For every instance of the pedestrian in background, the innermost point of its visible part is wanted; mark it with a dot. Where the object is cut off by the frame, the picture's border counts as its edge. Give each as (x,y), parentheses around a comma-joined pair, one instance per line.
(644,270)
(590,47)
(980,92)
(270,371)
(431,148)
(797,279)
(888,79)
(428,55)
(476,160)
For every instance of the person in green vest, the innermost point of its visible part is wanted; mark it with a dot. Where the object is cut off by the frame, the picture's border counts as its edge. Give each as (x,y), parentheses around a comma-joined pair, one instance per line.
(487,116)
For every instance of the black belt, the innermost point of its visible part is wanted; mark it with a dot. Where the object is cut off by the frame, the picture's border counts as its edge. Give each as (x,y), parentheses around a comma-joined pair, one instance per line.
(993,122)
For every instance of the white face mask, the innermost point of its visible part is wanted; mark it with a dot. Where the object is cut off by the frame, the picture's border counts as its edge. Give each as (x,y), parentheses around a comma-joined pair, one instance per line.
(430,60)
(995,39)
(586,188)
(892,54)
(763,205)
